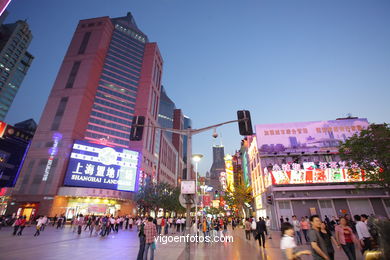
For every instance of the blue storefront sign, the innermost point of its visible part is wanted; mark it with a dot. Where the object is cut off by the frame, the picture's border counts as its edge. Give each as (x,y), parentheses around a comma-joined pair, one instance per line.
(97,166)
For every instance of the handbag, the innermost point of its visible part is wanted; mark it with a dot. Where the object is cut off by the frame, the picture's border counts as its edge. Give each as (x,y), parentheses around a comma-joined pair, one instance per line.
(154,246)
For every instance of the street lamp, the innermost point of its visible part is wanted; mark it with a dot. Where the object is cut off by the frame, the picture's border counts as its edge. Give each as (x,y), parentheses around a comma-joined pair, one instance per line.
(196,158)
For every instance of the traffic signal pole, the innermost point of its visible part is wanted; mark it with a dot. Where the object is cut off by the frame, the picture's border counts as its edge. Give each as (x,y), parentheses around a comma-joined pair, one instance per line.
(190,199)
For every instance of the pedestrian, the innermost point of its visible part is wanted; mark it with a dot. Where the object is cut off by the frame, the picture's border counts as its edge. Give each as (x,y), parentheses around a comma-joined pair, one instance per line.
(287,220)
(225,227)
(16,225)
(268,225)
(319,250)
(297,230)
(141,235)
(281,220)
(166,227)
(253,228)
(328,239)
(131,221)
(22,225)
(287,243)
(80,223)
(261,228)
(178,224)
(183,224)
(150,236)
(38,226)
(363,234)
(159,220)
(45,221)
(305,229)
(346,238)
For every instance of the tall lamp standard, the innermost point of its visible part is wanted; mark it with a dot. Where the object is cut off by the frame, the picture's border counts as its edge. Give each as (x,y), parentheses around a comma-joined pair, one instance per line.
(196,158)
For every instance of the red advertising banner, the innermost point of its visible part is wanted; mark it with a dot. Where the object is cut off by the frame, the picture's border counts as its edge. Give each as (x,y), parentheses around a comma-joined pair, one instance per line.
(2,128)
(206,200)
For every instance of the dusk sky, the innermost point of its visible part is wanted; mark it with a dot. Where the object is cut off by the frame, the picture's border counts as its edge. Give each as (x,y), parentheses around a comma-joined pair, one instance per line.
(285,61)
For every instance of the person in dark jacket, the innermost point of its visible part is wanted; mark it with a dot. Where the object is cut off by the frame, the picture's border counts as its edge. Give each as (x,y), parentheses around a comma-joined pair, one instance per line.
(261,228)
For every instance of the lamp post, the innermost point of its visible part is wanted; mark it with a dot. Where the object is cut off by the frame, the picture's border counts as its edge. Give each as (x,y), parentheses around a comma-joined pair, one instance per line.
(196,158)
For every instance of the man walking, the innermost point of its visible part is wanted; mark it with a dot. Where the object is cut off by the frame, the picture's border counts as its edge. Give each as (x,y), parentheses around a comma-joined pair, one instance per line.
(261,228)
(150,235)
(297,230)
(363,234)
(319,250)
(247,229)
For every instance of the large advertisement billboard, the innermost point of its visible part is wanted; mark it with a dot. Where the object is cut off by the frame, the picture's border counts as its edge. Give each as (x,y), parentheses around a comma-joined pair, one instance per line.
(97,166)
(322,172)
(306,136)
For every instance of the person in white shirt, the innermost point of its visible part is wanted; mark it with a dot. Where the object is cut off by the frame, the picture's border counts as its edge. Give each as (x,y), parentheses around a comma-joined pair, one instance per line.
(131,222)
(363,234)
(287,243)
(39,225)
(253,228)
(268,225)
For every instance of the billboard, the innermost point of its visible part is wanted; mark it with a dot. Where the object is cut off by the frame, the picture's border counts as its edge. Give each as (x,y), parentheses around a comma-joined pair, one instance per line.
(332,172)
(306,136)
(97,166)
(229,172)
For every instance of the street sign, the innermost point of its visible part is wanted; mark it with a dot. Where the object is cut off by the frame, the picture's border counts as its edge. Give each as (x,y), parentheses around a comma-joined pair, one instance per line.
(187,187)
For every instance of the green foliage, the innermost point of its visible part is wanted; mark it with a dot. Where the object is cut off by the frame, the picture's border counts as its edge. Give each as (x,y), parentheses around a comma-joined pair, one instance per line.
(370,150)
(155,196)
(238,197)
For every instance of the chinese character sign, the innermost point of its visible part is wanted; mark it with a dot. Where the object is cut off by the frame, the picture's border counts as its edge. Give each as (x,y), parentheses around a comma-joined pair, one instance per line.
(311,173)
(98,166)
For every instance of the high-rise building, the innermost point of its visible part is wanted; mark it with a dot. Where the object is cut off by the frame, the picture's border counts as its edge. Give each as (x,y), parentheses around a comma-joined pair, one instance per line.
(110,73)
(165,113)
(217,166)
(15,61)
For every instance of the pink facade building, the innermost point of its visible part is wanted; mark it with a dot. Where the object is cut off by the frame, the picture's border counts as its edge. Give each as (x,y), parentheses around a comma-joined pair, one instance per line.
(110,73)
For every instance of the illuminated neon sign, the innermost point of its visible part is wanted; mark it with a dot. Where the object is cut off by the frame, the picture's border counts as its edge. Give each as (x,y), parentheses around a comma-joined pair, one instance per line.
(97,166)
(52,151)
(312,173)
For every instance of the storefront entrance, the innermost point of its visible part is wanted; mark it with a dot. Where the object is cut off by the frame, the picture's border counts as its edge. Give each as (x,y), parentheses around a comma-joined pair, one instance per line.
(91,206)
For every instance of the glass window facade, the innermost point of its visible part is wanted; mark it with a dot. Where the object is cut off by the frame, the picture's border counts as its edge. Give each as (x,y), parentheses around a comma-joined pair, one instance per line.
(116,94)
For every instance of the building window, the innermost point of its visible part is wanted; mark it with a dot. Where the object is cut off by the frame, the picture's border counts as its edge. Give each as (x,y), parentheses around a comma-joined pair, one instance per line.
(84,43)
(72,75)
(60,112)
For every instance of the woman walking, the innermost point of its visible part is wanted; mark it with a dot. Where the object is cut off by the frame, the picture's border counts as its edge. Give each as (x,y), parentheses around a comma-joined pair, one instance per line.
(346,238)
(288,245)
(328,238)
(22,225)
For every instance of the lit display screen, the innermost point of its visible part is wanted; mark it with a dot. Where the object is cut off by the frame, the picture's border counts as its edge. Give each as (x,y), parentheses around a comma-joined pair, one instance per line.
(97,166)
(312,173)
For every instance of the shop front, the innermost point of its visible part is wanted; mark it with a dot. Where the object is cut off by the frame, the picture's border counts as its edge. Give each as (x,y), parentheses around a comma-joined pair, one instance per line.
(92,206)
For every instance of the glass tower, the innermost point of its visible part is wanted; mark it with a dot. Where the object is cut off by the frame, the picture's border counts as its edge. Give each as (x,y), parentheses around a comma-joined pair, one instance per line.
(14,61)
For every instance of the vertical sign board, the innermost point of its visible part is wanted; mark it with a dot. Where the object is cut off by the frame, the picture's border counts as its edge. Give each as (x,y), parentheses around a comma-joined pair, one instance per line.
(97,166)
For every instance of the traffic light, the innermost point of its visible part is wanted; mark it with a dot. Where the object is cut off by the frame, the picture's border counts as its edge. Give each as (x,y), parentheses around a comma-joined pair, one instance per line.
(137,128)
(269,199)
(244,122)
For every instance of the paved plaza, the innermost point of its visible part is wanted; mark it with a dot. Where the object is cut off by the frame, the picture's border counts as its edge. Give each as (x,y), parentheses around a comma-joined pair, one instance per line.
(63,244)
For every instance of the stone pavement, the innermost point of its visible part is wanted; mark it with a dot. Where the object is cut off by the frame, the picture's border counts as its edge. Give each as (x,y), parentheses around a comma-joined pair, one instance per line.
(63,244)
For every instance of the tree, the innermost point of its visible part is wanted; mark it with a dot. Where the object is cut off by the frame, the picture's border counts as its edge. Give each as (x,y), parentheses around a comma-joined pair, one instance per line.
(238,197)
(155,196)
(370,151)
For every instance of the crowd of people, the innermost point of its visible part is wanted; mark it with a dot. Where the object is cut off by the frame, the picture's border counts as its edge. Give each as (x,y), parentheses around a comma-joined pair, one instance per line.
(324,235)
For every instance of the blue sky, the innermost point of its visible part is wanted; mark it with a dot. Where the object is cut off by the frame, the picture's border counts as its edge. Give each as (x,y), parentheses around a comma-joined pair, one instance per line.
(285,61)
